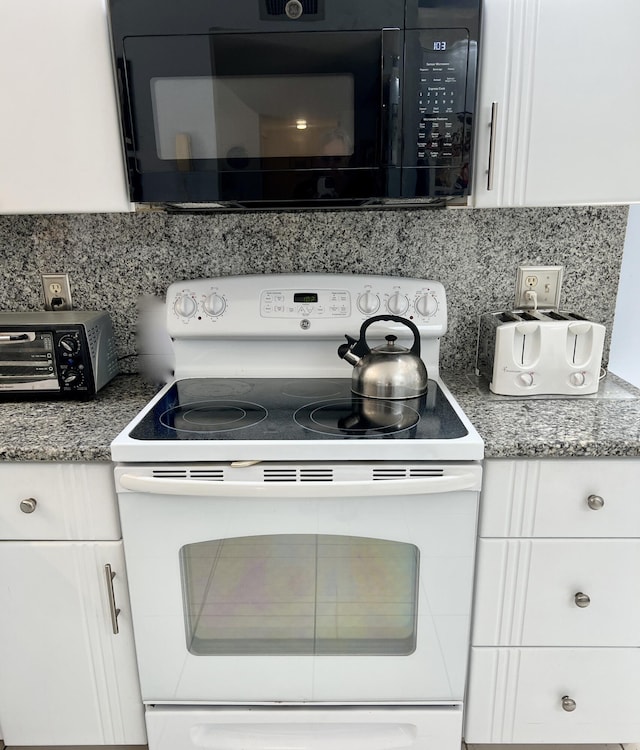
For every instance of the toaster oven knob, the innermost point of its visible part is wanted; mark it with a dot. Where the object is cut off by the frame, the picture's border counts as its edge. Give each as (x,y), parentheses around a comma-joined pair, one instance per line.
(69,344)
(72,378)
(185,306)
(526,378)
(577,378)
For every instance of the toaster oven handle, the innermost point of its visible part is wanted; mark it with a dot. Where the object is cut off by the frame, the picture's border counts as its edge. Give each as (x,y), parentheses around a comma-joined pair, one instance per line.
(391,100)
(372,488)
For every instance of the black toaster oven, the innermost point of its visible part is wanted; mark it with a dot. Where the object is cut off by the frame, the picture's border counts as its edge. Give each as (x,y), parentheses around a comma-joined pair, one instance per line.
(56,354)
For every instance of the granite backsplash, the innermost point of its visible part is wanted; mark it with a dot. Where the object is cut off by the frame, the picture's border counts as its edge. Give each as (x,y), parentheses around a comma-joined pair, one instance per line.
(115,259)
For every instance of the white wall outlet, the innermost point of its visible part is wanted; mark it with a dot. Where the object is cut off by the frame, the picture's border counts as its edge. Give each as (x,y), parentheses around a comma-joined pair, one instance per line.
(57,291)
(538,286)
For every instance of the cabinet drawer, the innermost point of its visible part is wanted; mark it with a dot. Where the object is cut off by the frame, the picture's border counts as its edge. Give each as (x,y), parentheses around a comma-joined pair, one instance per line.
(561,498)
(53,501)
(527,593)
(516,695)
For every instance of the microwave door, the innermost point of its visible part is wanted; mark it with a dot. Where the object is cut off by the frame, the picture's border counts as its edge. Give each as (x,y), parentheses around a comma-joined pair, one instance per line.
(263,116)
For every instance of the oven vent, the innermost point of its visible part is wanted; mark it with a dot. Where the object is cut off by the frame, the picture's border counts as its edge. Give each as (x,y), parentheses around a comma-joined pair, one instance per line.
(297,475)
(403,472)
(214,475)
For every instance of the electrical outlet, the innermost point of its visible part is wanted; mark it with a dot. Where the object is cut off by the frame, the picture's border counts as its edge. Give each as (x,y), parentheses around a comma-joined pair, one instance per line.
(57,291)
(545,282)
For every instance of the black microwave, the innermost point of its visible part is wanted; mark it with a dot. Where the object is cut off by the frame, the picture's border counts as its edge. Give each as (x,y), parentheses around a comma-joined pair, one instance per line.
(274,103)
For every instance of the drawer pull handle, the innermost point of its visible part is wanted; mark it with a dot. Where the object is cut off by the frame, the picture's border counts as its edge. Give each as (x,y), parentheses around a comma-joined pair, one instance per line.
(568,704)
(595,502)
(581,600)
(28,505)
(110,575)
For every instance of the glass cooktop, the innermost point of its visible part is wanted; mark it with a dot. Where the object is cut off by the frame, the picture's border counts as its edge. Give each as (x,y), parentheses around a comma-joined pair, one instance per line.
(299,409)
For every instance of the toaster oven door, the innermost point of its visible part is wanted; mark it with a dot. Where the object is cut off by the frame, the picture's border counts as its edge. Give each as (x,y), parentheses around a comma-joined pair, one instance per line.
(27,361)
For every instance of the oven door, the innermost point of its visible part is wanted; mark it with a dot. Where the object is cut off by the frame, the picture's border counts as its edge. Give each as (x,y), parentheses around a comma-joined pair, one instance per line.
(302,116)
(301,591)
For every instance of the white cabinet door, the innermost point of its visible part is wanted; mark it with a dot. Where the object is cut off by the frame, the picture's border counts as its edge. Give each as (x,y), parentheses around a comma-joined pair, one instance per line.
(562,77)
(67,678)
(557,592)
(577,497)
(521,695)
(61,144)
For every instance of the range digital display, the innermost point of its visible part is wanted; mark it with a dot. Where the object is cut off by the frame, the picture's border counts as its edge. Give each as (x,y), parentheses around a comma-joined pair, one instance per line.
(305,298)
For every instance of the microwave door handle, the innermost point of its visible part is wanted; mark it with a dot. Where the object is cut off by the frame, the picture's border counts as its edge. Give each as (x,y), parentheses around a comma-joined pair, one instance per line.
(391,101)
(463,480)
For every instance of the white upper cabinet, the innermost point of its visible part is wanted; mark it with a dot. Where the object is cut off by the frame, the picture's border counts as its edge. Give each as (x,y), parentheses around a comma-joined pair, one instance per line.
(60,139)
(562,78)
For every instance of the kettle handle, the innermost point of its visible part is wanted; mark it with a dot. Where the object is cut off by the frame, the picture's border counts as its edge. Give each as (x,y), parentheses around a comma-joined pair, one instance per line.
(362,348)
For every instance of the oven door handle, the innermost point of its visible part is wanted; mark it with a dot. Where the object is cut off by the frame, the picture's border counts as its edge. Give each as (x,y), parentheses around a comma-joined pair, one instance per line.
(200,488)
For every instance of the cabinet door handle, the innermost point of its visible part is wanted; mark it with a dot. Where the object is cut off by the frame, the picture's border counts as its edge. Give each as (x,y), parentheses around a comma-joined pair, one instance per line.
(492,144)
(28,505)
(110,575)
(581,600)
(595,502)
(568,704)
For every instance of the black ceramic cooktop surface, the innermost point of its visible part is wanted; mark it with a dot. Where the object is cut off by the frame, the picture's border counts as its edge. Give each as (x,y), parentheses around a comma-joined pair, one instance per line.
(285,409)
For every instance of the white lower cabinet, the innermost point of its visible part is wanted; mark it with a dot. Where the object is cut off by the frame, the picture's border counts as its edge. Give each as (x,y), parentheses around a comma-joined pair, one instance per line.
(67,658)
(555,652)
(558,695)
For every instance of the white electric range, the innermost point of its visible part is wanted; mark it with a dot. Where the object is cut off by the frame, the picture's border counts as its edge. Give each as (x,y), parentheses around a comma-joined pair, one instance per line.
(300,571)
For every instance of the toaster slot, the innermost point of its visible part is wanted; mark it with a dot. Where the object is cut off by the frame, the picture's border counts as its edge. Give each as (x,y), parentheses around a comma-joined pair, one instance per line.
(580,344)
(526,343)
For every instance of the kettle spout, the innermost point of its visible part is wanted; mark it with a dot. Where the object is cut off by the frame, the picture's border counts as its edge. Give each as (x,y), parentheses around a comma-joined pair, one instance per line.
(344,351)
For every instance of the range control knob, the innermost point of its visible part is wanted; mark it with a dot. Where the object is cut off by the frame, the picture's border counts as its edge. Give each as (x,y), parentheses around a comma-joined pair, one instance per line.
(185,306)
(214,305)
(426,305)
(397,304)
(368,303)
(525,378)
(577,378)
(72,378)
(69,344)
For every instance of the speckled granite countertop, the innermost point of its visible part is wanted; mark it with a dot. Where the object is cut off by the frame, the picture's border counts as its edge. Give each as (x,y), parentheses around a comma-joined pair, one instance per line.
(606,425)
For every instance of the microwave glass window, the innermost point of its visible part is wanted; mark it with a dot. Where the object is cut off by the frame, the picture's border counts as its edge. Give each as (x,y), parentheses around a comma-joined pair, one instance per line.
(300,594)
(236,118)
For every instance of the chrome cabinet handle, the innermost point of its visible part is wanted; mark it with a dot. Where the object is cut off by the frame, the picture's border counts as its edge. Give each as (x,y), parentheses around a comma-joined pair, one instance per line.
(595,502)
(28,505)
(581,600)
(568,704)
(492,144)
(110,575)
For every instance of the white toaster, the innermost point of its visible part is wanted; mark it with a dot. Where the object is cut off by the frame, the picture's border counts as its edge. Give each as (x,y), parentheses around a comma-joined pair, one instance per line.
(524,353)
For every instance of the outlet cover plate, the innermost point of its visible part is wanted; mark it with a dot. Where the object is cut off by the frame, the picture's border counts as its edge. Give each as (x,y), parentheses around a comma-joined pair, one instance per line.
(57,291)
(545,281)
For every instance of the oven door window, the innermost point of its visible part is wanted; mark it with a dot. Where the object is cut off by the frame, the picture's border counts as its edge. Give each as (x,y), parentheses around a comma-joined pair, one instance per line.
(300,594)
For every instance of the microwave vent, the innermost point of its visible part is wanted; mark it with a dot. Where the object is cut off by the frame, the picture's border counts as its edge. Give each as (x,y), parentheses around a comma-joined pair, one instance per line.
(277,8)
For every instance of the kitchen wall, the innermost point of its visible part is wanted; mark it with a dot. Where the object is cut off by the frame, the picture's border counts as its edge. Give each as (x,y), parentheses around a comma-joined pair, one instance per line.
(114,259)
(625,341)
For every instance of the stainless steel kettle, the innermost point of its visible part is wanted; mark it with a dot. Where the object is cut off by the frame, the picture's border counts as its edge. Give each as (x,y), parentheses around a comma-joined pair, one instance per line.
(389,371)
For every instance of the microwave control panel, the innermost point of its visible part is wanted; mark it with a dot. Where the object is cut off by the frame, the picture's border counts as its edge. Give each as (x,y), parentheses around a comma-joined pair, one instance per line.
(441,98)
